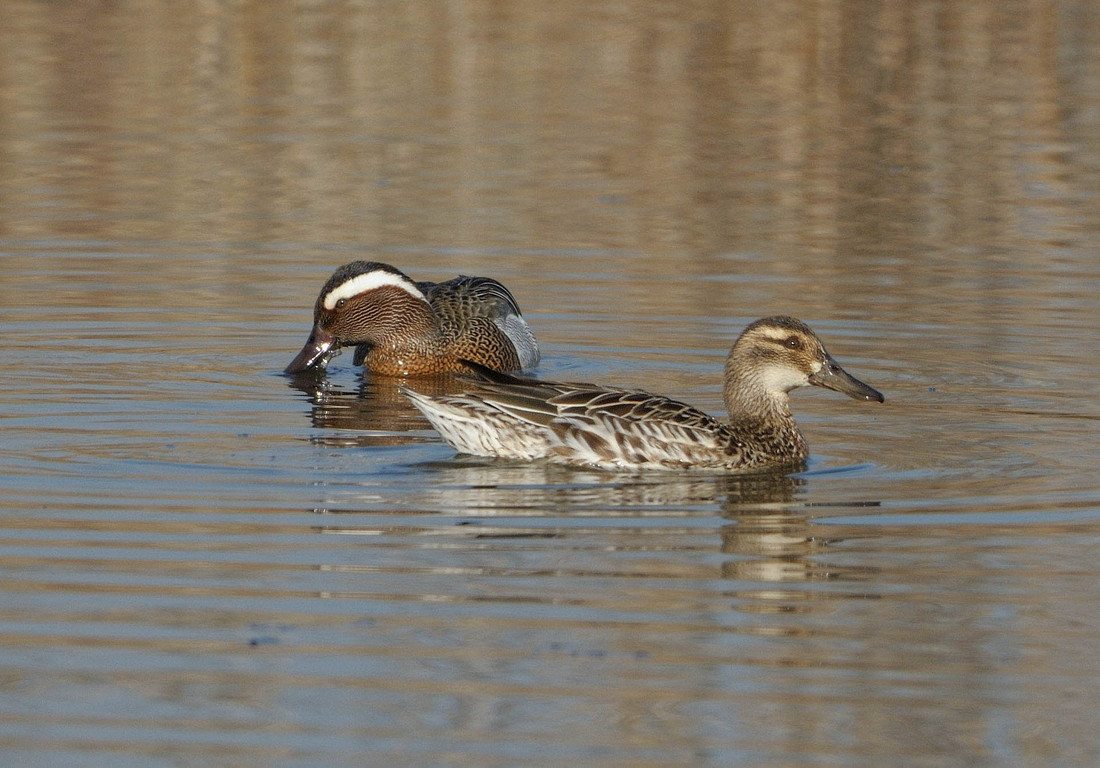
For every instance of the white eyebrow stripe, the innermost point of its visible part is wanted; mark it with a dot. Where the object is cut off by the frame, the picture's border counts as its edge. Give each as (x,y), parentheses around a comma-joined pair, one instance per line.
(368,282)
(777,334)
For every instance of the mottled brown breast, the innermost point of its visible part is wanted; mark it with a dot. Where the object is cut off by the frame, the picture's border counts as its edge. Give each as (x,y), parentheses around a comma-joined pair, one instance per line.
(389,363)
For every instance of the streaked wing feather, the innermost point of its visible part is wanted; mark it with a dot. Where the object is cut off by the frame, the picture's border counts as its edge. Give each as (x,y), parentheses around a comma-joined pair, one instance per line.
(479,311)
(478,296)
(633,427)
(634,406)
(582,424)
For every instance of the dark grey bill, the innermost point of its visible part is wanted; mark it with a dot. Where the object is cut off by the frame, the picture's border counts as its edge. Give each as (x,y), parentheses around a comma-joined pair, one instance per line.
(315,353)
(832,376)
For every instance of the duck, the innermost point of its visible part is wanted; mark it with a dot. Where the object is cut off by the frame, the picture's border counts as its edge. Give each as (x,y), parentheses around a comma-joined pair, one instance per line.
(401,327)
(611,428)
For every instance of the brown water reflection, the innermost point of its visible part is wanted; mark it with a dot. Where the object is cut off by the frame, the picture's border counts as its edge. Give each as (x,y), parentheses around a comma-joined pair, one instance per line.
(661,133)
(376,406)
(202,561)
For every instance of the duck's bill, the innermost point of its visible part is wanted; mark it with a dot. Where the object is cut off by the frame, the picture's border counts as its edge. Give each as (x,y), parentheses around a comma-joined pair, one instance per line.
(832,376)
(315,354)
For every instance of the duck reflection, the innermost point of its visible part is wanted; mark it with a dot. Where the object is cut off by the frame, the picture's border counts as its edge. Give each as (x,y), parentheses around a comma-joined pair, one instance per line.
(486,484)
(773,540)
(376,409)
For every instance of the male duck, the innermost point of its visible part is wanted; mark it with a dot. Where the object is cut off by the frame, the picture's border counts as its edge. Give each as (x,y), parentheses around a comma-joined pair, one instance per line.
(587,425)
(405,328)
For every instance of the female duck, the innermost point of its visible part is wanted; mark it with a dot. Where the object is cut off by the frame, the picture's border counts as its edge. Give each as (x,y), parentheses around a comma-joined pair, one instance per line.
(405,328)
(588,425)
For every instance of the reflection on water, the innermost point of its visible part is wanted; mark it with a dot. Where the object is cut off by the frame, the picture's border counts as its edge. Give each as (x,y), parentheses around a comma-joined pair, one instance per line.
(377,406)
(776,545)
(204,562)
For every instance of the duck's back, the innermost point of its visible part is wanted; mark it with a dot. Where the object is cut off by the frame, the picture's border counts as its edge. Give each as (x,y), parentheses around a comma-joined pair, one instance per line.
(480,319)
(579,424)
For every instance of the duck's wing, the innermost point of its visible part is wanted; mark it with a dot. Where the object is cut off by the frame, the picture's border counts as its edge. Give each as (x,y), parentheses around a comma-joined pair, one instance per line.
(464,303)
(500,414)
(466,296)
(598,425)
(624,427)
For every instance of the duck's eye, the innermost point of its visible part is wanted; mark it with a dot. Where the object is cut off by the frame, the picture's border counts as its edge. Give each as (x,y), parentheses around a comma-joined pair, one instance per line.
(793,342)
(341,303)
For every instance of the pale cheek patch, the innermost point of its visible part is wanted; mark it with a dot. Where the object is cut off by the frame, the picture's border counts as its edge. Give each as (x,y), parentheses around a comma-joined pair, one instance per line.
(783,379)
(369,282)
(817,366)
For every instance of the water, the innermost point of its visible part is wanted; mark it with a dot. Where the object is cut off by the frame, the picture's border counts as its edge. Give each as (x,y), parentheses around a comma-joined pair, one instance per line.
(203,562)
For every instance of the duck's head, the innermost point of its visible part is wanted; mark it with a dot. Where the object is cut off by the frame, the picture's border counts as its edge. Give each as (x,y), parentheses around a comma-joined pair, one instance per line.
(364,302)
(777,354)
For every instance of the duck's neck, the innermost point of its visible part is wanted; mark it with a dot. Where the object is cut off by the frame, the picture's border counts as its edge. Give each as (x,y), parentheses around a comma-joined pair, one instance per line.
(408,331)
(409,325)
(761,418)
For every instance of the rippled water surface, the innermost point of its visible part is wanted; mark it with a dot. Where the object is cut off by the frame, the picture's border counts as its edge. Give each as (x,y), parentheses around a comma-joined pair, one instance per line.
(203,562)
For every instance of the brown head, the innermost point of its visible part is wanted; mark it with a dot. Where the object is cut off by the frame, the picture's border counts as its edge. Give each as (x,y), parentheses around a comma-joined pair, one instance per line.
(777,354)
(365,303)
